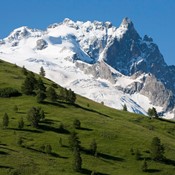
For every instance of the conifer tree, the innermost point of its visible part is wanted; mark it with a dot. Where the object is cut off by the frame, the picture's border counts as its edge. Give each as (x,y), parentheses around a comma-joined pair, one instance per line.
(93,147)
(51,94)
(144,166)
(40,96)
(24,71)
(40,85)
(34,116)
(125,107)
(137,154)
(71,96)
(77,161)
(77,124)
(157,149)
(29,84)
(15,108)
(5,121)
(155,112)
(42,72)
(48,149)
(21,123)
(74,142)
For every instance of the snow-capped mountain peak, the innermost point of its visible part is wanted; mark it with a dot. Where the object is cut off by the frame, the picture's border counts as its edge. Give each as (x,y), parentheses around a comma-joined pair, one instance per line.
(99,61)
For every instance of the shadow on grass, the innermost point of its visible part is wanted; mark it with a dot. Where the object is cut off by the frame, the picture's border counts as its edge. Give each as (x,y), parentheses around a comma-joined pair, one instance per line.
(19,112)
(153,171)
(53,129)
(86,109)
(169,162)
(47,121)
(86,171)
(8,149)
(51,154)
(165,120)
(54,104)
(58,156)
(6,167)
(85,129)
(33,149)
(90,110)
(3,153)
(110,157)
(101,155)
(27,130)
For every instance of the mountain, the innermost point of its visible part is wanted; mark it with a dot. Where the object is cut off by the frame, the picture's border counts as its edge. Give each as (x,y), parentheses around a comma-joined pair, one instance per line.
(108,64)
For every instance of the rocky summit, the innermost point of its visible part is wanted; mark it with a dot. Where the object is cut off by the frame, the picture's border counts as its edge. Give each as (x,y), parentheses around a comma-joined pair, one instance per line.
(108,64)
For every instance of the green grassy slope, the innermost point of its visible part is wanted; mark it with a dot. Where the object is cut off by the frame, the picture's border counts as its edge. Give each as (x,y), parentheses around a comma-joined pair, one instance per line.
(115,132)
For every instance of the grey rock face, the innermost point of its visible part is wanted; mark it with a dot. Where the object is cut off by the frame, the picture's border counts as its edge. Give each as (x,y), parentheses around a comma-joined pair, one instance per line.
(41,44)
(158,93)
(132,88)
(98,70)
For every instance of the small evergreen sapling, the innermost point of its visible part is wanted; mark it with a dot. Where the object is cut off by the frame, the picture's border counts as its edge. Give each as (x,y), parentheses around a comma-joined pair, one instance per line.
(5,121)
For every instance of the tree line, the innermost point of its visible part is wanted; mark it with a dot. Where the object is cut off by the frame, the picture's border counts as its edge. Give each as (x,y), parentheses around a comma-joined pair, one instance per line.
(36,87)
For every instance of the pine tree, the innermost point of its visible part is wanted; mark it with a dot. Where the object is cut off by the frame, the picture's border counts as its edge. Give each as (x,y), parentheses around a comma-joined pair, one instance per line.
(60,142)
(77,124)
(15,108)
(20,141)
(125,107)
(77,161)
(24,71)
(132,151)
(34,116)
(93,147)
(29,84)
(74,142)
(71,96)
(157,149)
(40,85)
(48,149)
(20,123)
(5,122)
(155,112)
(42,115)
(144,166)
(51,94)
(40,96)
(137,155)
(150,112)
(42,72)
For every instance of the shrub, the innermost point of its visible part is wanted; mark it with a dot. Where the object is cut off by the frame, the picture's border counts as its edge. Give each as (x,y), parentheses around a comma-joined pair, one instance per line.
(9,92)
(77,124)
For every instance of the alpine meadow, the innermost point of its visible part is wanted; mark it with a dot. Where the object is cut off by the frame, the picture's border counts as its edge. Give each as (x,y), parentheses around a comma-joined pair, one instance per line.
(74,135)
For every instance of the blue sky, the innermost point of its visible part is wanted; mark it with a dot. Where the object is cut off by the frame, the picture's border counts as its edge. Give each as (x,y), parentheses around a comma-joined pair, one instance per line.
(152,17)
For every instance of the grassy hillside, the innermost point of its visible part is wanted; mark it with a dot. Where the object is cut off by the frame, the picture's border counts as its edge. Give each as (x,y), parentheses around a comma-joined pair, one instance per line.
(115,132)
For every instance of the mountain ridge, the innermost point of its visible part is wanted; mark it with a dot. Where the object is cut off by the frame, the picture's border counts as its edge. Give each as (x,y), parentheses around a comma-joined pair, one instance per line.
(99,61)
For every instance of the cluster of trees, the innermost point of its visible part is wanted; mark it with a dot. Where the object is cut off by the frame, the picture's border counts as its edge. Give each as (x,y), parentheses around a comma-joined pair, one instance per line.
(32,86)
(5,122)
(152,112)
(156,150)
